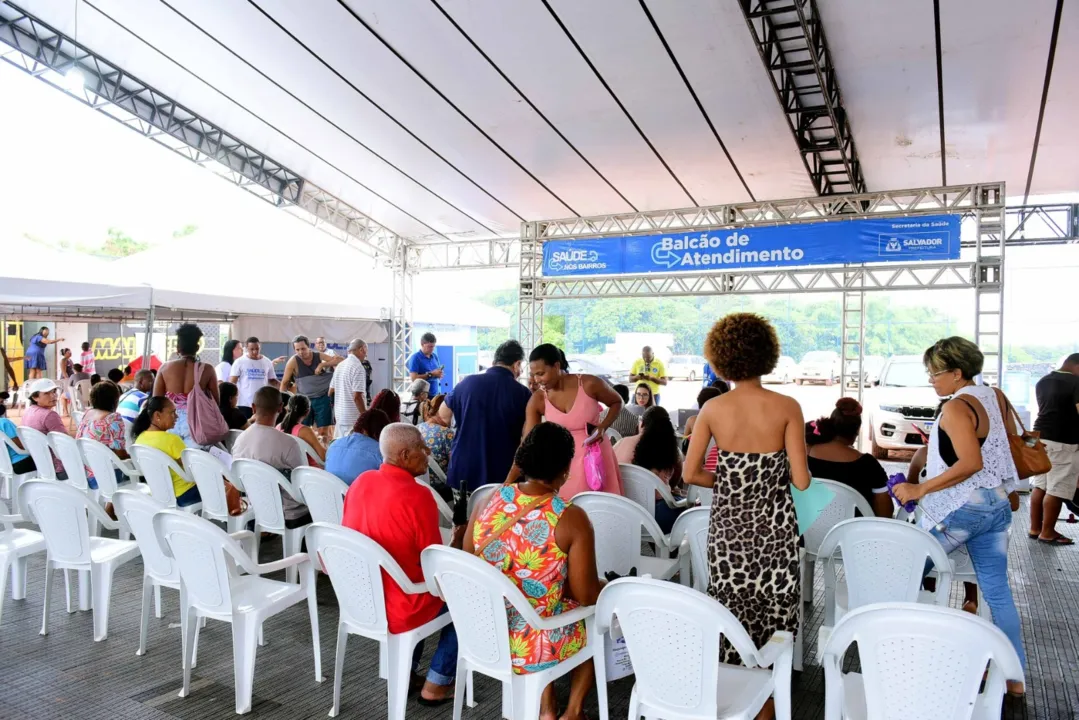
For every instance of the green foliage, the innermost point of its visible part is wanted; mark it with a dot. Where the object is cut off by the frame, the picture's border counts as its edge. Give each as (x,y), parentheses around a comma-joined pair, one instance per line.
(587,326)
(119,244)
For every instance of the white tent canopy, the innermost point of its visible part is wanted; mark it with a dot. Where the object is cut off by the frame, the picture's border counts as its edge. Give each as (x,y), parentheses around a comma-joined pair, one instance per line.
(196,278)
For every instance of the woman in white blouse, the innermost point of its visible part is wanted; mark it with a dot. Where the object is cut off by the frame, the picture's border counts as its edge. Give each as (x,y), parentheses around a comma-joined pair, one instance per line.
(969,470)
(229,353)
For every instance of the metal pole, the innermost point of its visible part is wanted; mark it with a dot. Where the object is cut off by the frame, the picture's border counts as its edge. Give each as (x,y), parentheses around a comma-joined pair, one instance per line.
(146,351)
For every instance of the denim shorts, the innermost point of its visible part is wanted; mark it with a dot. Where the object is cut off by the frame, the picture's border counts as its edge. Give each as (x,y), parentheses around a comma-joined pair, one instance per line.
(321,413)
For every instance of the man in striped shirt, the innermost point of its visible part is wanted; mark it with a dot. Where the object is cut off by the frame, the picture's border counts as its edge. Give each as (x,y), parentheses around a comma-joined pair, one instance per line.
(349,389)
(131,401)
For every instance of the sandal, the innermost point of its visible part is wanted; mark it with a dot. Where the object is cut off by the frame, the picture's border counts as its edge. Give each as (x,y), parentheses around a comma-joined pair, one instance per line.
(1033,536)
(1058,540)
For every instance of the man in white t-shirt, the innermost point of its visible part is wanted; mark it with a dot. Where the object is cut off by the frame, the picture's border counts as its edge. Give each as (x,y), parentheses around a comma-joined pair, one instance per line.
(251,372)
(320,347)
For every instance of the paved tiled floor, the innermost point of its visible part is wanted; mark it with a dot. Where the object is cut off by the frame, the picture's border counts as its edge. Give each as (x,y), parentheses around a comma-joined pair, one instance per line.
(67,675)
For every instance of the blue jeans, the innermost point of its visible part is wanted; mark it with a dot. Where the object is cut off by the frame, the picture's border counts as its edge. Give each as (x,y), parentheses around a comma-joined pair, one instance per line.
(443,668)
(190,497)
(665,516)
(982,525)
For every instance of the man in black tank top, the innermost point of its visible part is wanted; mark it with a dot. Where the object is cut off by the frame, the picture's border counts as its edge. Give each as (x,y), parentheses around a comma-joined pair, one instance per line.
(312,373)
(1058,423)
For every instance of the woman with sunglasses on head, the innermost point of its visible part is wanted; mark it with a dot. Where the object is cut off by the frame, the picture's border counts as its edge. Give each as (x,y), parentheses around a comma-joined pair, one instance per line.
(969,471)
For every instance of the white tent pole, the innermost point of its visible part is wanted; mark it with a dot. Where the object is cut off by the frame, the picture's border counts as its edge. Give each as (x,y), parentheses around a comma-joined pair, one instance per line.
(146,351)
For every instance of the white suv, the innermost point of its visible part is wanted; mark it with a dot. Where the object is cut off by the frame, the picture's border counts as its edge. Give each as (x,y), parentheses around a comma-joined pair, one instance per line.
(904,406)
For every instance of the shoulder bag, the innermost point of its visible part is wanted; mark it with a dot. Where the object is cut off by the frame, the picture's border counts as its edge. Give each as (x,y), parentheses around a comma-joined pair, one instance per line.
(204,417)
(1028,451)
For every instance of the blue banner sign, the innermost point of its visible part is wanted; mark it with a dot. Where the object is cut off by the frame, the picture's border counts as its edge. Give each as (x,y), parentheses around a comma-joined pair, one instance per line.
(928,237)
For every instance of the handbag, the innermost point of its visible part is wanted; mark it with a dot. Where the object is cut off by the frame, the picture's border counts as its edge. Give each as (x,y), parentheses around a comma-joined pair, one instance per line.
(204,417)
(1028,451)
(594,472)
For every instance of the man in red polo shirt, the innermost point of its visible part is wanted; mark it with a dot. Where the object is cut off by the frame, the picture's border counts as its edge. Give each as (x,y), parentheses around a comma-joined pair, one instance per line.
(390,507)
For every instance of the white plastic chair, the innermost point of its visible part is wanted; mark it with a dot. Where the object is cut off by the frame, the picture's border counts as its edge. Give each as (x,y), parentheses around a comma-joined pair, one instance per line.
(690,535)
(157,468)
(16,544)
(478,595)
(9,480)
(619,523)
(263,485)
(697,495)
(445,512)
(104,463)
(67,450)
(614,435)
(37,444)
(435,469)
(62,511)
(668,626)
(210,562)
(210,476)
(355,564)
(309,452)
(323,493)
(641,485)
(135,511)
(883,561)
(918,662)
(841,508)
(481,496)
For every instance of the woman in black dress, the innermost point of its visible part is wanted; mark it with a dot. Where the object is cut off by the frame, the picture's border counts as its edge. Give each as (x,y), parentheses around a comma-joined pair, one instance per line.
(832,456)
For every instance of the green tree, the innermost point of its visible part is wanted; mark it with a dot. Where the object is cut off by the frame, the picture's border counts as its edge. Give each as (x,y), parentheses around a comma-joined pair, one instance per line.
(119,244)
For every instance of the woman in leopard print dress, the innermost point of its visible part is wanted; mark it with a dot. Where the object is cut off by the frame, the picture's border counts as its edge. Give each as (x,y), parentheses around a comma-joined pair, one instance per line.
(753,532)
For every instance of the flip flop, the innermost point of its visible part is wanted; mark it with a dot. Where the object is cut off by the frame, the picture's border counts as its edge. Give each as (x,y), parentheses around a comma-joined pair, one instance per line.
(1058,540)
(434,703)
(1033,536)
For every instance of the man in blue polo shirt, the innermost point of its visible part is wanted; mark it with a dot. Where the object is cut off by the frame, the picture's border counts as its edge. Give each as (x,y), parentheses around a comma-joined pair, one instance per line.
(424,364)
(490,413)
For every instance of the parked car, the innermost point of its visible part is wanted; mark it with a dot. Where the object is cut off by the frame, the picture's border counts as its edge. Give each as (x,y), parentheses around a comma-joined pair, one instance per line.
(819,366)
(903,408)
(685,367)
(598,365)
(871,367)
(786,370)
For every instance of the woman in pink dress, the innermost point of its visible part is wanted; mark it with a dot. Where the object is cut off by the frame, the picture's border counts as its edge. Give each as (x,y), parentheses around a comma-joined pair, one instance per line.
(574,402)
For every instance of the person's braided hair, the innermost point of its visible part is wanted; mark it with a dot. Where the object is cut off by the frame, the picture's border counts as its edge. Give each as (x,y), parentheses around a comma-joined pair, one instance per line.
(546,452)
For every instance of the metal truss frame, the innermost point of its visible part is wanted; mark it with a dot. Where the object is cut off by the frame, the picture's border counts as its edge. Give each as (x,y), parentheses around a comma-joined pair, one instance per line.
(790,38)
(984,274)
(479,254)
(401,318)
(1045,224)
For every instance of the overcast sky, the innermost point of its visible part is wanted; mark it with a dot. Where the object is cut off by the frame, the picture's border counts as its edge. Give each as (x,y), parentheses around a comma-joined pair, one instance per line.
(71,173)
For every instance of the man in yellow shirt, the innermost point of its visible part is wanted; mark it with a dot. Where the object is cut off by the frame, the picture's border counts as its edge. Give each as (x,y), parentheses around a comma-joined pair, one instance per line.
(650,371)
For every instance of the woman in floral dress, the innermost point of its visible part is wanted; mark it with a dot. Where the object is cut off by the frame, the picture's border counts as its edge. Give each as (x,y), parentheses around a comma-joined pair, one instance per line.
(103,424)
(436,432)
(546,546)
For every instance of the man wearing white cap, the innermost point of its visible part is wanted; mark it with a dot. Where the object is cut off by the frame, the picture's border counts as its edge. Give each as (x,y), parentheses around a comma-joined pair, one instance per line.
(42,415)
(410,410)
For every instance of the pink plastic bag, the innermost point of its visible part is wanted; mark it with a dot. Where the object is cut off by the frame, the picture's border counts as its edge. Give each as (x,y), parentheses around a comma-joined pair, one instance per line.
(594,473)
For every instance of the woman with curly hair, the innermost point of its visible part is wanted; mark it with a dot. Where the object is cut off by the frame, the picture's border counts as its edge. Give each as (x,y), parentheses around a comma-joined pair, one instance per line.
(576,403)
(546,547)
(759,436)
(832,456)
